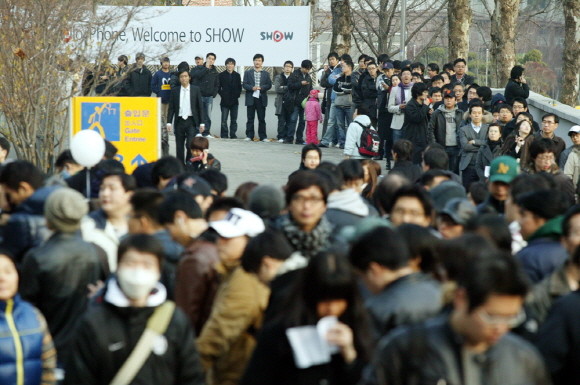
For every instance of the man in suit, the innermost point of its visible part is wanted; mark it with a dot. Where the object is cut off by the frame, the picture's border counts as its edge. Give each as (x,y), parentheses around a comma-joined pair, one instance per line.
(471,137)
(257,82)
(185,105)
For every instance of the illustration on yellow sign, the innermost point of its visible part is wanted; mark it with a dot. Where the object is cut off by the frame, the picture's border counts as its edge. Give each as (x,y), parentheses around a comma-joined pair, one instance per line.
(96,118)
(131,124)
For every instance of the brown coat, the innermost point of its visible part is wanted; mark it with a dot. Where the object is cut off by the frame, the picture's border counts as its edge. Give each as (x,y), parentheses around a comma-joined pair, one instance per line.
(228,339)
(197,282)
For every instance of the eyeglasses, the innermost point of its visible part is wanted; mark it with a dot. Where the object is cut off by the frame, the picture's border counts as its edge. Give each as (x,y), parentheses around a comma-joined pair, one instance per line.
(300,199)
(546,158)
(495,320)
(548,122)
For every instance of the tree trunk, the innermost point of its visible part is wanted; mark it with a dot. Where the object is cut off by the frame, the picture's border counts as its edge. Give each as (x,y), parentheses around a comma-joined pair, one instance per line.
(503,45)
(571,56)
(341,26)
(386,15)
(459,17)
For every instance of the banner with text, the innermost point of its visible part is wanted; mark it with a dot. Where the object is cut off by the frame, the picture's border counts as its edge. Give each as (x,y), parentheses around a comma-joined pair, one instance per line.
(278,33)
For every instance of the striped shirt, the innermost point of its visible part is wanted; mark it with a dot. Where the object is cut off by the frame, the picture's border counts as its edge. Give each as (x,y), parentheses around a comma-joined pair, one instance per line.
(257,77)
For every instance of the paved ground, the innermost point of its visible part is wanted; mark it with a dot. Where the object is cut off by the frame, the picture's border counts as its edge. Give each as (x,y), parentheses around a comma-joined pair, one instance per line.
(259,162)
(256,161)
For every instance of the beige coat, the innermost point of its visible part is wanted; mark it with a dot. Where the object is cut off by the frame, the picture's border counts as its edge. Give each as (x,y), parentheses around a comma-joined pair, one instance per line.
(228,339)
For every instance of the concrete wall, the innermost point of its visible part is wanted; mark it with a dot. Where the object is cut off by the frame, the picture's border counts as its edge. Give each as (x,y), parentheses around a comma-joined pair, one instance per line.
(540,105)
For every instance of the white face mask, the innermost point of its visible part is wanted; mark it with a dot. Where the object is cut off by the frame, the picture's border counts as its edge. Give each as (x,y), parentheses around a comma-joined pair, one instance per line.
(137,283)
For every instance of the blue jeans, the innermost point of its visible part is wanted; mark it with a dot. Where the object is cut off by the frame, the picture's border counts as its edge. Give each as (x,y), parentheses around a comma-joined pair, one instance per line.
(453,153)
(297,116)
(343,116)
(330,136)
(207,108)
(233,112)
(281,125)
(397,134)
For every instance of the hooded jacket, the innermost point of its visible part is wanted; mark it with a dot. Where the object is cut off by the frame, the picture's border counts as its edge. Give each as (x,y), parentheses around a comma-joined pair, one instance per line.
(353,133)
(346,208)
(544,252)
(438,123)
(109,331)
(572,166)
(486,119)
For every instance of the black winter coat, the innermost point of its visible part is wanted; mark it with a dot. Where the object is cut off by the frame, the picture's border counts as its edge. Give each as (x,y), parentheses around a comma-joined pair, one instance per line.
(230,88)
(437,125)
(139,82)
(107,334)
(327,86)
(559,340)
(56,276)
(296,88)
(515,89)
(484,158)
(26,227)
(430,353)
(408,300)
(367,91)
(273,364)
(407,169)
(415,127)
(207,79)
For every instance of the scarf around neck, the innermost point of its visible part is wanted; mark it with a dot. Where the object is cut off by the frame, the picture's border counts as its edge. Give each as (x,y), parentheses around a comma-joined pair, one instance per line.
(400,96)
(308,244)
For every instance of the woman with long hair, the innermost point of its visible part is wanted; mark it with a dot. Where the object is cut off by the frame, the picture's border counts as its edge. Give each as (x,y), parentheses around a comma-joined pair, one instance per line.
(371,179)
(517,143)
(326,287)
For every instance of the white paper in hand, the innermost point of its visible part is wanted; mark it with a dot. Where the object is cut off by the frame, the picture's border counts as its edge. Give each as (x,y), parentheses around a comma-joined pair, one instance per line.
(486,171)
(323,326)
(307,347)
(256,94)
(309,344)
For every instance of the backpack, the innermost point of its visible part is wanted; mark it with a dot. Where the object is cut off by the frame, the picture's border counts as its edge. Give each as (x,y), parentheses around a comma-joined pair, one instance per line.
(369,141)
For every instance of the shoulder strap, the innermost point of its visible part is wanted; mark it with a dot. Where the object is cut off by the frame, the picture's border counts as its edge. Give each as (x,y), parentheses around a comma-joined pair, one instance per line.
(156,325)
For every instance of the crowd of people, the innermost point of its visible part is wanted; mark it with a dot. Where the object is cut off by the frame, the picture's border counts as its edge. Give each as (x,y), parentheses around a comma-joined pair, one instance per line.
(459,266)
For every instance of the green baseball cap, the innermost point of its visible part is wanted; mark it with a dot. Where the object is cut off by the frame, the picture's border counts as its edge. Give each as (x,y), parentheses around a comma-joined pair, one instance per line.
(503,169)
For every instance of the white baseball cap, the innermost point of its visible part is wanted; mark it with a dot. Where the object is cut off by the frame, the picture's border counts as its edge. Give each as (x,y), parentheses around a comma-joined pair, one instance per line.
(238,222)
(574,129)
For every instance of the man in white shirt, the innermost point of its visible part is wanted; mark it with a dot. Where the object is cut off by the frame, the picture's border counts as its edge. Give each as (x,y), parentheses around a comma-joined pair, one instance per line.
(185,105)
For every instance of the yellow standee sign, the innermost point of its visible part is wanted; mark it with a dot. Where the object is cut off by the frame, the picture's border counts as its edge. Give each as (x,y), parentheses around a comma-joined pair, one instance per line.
(130,123)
